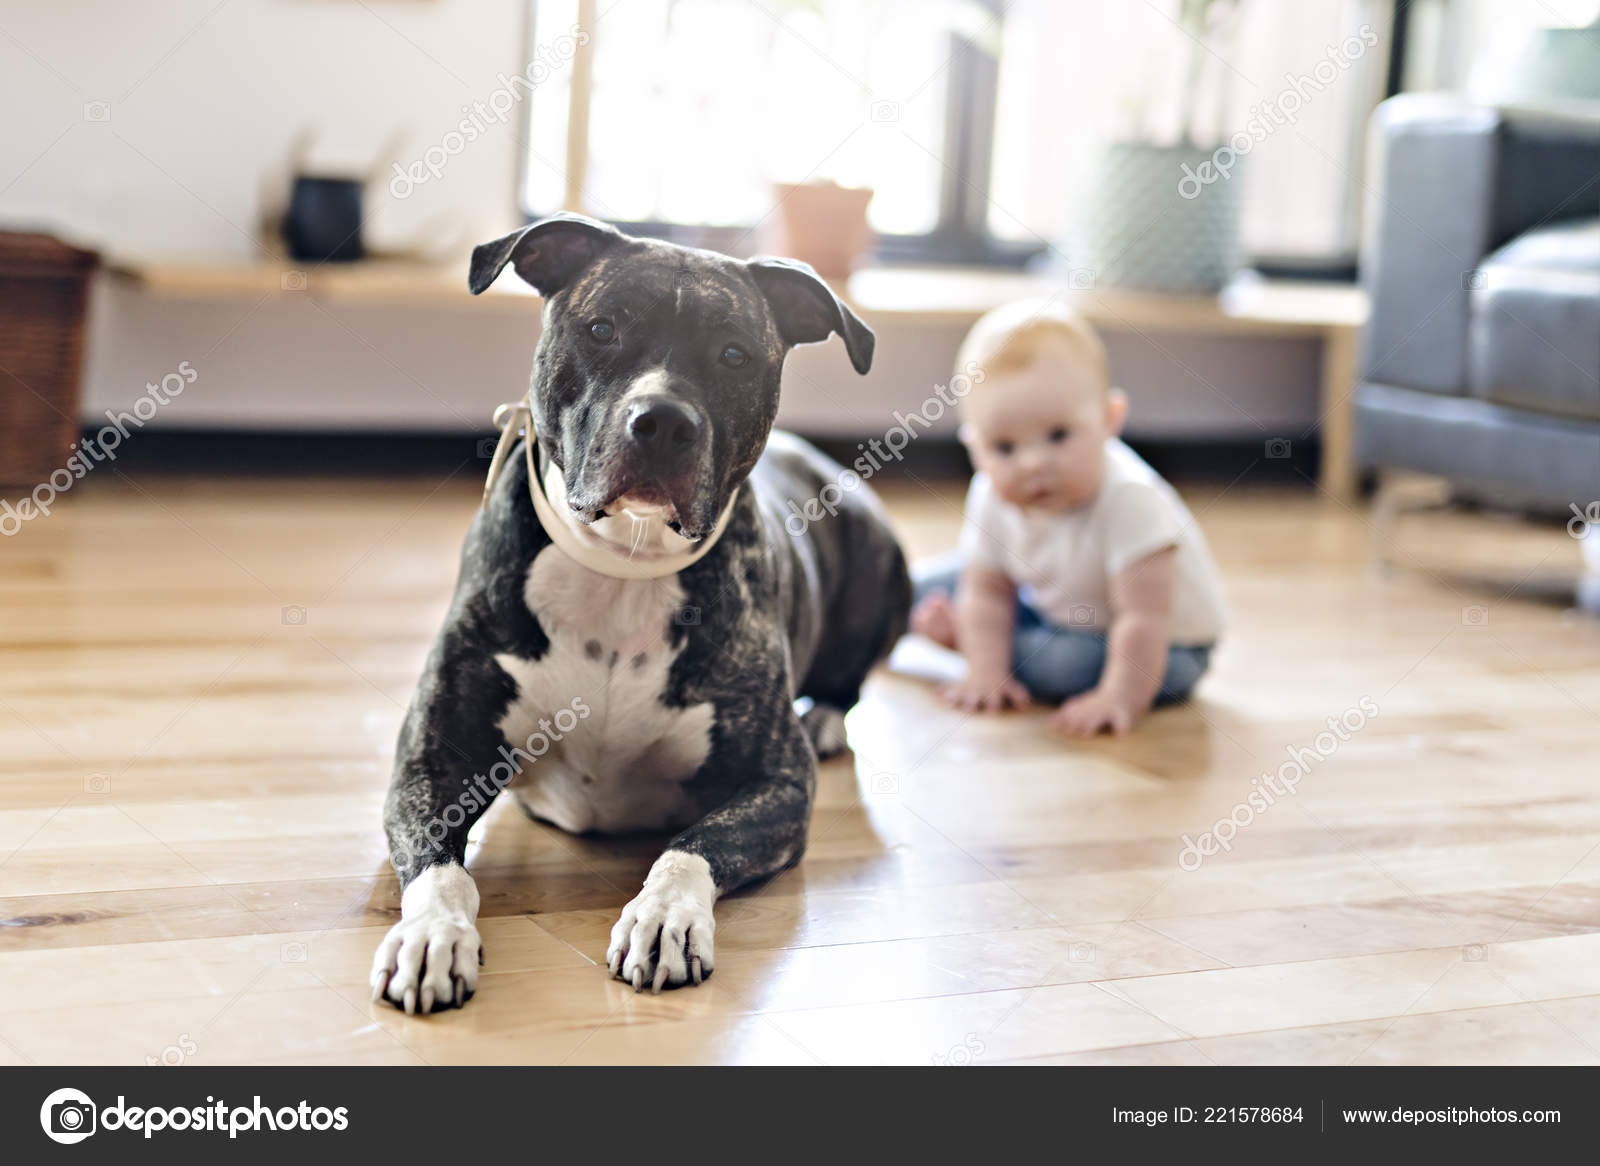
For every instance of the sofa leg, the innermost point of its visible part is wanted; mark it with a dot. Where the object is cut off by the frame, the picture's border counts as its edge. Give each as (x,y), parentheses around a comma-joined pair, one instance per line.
(1385,509)
(1399,494)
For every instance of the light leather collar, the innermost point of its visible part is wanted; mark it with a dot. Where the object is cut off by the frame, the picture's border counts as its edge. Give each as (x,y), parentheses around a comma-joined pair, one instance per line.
(588,551)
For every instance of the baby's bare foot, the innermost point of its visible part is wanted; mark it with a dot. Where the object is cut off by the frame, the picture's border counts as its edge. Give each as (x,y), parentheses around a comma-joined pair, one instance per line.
(935,617)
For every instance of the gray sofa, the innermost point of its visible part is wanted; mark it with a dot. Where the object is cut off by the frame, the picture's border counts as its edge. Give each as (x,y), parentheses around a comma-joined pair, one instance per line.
(1481,362)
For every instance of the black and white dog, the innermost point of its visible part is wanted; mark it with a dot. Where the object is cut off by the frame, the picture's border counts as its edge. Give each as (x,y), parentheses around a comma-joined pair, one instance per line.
(637,640)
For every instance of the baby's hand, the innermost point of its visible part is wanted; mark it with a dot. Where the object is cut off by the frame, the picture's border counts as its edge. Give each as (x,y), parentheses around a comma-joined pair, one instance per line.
(980,693)
(1088,714)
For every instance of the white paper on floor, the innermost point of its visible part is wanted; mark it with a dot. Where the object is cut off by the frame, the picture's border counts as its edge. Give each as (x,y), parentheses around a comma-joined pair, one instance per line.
(920,657)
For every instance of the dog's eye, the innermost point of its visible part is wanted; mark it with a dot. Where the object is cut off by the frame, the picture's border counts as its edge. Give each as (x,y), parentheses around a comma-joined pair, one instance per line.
(603,331)
(734,357)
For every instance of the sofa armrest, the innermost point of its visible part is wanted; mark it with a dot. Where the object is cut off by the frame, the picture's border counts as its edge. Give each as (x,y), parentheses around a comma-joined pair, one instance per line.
(1429,219)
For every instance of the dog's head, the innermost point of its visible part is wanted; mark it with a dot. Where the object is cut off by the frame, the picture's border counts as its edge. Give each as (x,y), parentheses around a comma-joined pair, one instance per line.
(655,382)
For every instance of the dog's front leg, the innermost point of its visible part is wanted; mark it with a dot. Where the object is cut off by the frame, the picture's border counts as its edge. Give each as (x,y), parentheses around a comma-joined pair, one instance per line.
(430,958)
(665,936)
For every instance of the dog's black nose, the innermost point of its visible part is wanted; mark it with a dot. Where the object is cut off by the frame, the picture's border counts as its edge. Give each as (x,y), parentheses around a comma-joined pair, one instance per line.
(666,429)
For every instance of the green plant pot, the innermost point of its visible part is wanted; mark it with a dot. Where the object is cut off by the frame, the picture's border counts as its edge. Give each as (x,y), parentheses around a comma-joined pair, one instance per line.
(1159,218)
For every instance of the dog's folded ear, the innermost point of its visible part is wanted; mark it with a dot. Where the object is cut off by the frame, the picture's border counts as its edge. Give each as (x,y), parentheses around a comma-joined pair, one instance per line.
(547,254)
(806,309)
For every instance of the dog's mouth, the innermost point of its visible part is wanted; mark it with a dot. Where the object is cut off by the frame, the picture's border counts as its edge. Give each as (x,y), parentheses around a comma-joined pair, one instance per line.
(641,525)
(645,506)
(646,502)
(676,503)
(637,513)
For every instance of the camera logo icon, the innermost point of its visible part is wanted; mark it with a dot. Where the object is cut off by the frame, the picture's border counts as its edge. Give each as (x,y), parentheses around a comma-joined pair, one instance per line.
(885,111)
(1081,615)
(97,111)
(1474,280)
(687,617)
(68,1116)
(1080,279)
(293,281)
(293,617)
(1278,447)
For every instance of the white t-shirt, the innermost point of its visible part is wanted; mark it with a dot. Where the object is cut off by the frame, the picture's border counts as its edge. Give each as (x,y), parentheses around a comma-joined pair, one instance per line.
(1063,563)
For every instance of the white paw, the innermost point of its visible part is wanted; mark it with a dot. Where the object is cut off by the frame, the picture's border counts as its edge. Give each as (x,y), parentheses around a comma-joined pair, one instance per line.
(665,935)
(430,958)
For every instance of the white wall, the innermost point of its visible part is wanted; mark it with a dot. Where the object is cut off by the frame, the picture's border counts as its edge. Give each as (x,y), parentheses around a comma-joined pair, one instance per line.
(204,100)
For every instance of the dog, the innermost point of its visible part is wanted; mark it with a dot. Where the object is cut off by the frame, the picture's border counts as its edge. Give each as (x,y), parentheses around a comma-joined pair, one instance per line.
(640,639)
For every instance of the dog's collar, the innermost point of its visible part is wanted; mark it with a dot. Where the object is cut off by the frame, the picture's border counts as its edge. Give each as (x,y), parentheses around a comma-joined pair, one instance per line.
(515,418)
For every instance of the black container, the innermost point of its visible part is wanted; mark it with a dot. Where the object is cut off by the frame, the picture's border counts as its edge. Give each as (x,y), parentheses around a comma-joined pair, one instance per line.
(323,224)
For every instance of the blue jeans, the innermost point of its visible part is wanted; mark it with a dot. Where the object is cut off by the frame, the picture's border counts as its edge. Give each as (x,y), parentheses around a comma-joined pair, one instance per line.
(1052,662)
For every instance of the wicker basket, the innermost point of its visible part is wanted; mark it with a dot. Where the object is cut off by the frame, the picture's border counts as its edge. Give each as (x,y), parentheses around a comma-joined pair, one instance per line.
(44,294)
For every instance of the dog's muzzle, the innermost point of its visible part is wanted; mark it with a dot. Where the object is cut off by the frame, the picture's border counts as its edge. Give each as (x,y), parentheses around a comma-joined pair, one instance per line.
(655,461)
(578,542)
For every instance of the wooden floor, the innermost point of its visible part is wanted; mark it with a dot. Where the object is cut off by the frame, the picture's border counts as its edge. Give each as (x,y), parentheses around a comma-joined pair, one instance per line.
(201,681)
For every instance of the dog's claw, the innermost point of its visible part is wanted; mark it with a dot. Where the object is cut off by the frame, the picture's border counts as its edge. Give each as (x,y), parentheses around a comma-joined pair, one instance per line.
(661,978)
(461,993)
(380,985)
(410,1002)
(638,979)
(694,969)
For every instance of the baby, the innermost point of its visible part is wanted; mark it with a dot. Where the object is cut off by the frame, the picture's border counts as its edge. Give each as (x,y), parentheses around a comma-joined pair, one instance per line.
(1081,576)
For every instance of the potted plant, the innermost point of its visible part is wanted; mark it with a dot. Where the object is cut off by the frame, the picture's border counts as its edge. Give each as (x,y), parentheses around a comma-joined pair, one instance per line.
(1162,216)
(823,224)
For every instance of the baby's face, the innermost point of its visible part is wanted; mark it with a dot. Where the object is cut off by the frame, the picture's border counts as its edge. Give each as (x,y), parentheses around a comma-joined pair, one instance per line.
(1040,432)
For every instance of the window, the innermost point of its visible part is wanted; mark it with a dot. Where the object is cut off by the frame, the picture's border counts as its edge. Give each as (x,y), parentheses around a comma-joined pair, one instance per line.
(698,107)
(974,121)
(1076,73)
(1464,44)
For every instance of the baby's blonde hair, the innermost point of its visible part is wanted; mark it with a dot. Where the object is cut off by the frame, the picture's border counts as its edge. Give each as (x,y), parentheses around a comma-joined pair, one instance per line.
(1007,339)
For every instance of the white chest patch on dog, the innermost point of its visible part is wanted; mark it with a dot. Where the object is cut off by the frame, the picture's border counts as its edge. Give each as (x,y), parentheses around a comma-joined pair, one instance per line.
(621,767)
